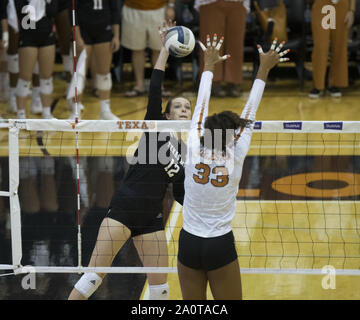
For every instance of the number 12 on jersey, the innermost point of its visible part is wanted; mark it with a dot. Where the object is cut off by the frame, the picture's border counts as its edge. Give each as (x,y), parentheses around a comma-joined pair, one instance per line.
(98,4)
(203,175)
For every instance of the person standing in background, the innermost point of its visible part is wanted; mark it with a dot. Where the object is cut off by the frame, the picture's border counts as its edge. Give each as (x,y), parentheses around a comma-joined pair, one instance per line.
(228,18)
(139,30)
(334,39)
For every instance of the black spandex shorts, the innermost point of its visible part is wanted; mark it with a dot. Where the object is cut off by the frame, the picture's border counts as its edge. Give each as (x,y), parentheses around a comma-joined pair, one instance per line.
(138,222)
(206,253)
(93,34)
(36,38)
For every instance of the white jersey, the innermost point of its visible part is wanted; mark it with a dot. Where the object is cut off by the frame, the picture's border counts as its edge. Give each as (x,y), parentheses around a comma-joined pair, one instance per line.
(212,179)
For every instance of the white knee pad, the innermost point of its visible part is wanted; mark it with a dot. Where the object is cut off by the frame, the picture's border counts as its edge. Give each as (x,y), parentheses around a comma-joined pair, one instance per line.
(104,82)
(159,292)
(46,86)
(67,62)
(88,284)
(23,88)
(13,63)
(36,68)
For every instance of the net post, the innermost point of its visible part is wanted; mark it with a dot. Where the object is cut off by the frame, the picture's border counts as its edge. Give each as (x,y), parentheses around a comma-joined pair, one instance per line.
(15,212)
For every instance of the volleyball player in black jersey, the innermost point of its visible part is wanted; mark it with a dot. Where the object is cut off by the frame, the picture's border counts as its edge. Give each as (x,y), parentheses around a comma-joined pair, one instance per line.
(136,209)
(36,42)
(97,30)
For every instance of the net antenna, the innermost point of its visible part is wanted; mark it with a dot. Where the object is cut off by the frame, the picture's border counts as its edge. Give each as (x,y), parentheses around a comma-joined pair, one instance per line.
(76,133)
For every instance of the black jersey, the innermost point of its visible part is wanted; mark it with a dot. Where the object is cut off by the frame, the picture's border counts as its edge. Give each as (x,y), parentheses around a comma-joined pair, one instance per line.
(100,12)
(159,162)
(44,25)
(3,9)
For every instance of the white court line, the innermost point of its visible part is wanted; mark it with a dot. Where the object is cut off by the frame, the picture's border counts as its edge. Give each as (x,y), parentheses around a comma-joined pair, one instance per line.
(52,269)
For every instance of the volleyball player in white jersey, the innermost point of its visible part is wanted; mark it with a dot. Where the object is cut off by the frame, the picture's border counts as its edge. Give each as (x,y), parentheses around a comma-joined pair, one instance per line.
(217,147)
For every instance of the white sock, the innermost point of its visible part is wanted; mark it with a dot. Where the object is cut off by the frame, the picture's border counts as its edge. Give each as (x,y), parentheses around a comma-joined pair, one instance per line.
(159,292)
(21,114)
(46,111)
(12,91)
(35,92)
(105,105)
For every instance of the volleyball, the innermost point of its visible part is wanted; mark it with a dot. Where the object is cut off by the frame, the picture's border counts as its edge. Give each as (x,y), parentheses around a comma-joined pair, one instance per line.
(180,41)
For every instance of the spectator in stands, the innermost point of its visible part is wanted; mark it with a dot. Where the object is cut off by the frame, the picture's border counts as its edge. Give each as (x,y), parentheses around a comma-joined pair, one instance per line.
(335,38)
(140,30)
(97,30)
(36,44)
(271,15)
(228,18)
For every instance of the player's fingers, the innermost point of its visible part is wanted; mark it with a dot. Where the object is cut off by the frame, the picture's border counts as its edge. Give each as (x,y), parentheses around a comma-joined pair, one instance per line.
(280,46)
(220,43)
(202,46)
(162,28)
(214,40)
(281,54)
(225,57)
(273,46)
(208,43)
(284,59)
(261,51)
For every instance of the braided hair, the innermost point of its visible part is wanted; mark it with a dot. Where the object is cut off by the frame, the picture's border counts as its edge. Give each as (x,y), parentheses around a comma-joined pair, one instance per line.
(227,122)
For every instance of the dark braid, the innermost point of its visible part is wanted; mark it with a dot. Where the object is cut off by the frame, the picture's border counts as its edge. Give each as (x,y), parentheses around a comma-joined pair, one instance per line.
(227,122)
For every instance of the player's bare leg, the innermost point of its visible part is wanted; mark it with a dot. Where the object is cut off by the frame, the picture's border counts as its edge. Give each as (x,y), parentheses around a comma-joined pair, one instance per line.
(103,56)
(138,63)
(46,66)
(27,59)
(193,283)
(111,237)
(153,252)
(225,282)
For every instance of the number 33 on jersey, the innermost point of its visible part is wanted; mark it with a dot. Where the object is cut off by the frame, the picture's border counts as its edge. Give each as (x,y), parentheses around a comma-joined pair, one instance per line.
(218,176)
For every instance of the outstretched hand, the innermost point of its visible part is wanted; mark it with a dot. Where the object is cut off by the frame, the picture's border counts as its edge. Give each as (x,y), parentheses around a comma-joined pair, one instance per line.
(271,58)
(163,29)
(211,52)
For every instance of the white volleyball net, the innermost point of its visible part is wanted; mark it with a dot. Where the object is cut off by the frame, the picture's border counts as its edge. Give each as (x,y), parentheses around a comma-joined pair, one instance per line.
(298,206)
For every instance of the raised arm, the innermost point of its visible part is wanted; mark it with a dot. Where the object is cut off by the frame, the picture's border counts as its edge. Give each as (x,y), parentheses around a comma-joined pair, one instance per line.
(267,62)
(154,108)
(211,58)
